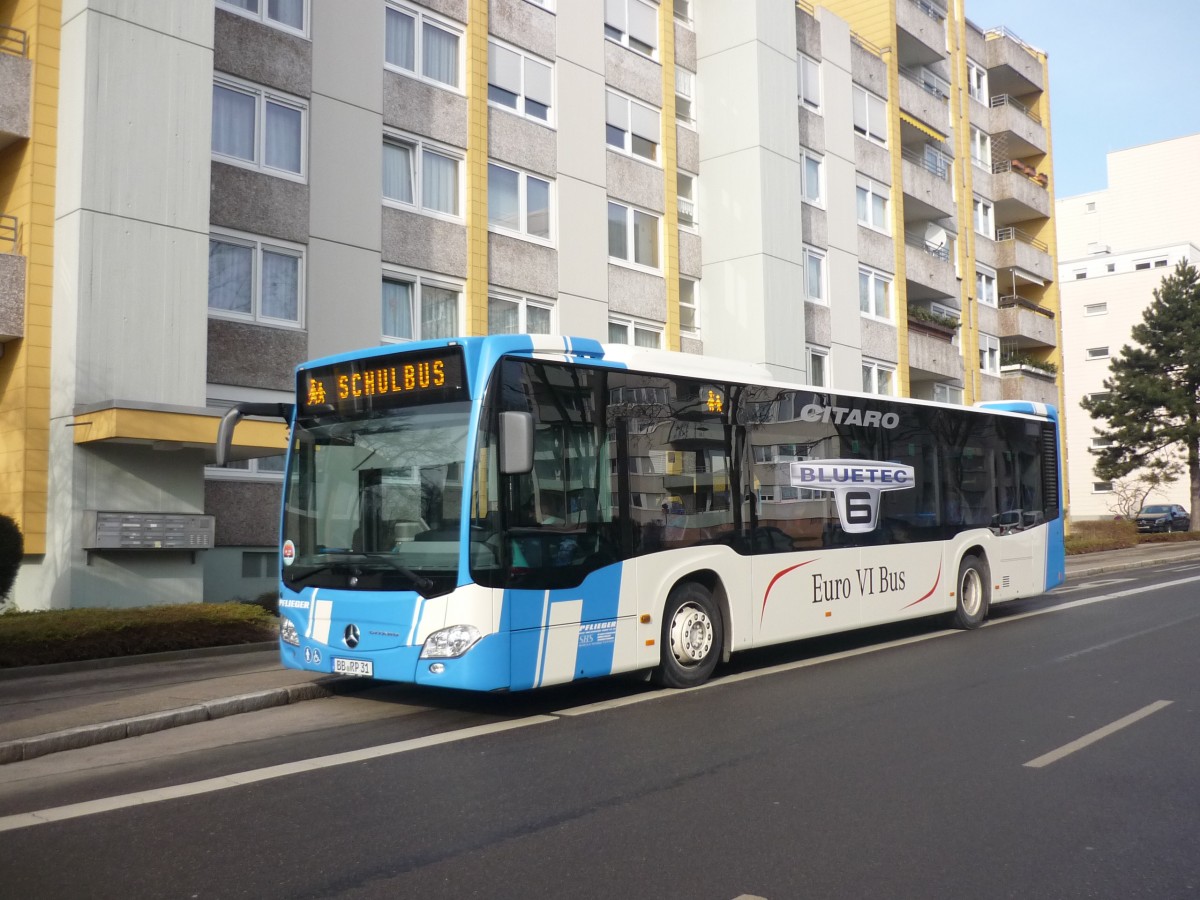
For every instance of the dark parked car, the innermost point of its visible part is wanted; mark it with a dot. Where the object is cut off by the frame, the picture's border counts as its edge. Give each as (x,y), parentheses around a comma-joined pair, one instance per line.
(1163,517)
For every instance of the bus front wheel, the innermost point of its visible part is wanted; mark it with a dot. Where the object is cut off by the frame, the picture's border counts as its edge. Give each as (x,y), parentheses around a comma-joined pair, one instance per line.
(692,636)
(972,593)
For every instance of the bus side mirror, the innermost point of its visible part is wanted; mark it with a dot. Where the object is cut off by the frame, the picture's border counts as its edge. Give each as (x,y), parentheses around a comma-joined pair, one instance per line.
(516,443)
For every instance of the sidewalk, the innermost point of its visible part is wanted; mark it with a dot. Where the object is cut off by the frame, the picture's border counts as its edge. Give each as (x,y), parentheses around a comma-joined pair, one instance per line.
(45,709)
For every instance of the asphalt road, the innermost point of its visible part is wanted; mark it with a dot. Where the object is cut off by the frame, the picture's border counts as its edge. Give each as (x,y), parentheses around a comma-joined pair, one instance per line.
(1050,754)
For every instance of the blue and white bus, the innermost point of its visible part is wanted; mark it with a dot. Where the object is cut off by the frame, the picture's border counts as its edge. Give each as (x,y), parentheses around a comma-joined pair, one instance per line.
(509,512)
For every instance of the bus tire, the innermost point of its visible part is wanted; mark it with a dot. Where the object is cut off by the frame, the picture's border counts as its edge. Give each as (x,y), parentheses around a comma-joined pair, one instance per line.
(972,594)
(692,637)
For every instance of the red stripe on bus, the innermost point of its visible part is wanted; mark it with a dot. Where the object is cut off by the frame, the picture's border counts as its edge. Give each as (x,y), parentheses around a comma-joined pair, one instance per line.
(936,581)
(763,612)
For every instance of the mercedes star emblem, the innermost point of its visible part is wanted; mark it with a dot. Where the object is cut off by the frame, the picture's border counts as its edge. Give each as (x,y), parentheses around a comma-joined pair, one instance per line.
(352,636)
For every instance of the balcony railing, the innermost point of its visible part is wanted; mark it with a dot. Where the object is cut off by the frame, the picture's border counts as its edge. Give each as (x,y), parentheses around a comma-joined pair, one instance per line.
(13,41)
(929,160)
(1005,100)
(935,250)
(933,84)
(1016,234)
(932,10)
(873,49)
(10,232)
(1004,32)
(1015,165)
(1010,300)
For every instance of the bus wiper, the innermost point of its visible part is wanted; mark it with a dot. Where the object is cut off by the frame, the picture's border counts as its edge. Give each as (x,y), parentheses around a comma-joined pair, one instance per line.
(422,584)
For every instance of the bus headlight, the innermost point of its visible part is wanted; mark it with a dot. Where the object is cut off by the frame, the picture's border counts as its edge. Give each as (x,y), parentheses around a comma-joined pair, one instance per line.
(450,642)
(288,633)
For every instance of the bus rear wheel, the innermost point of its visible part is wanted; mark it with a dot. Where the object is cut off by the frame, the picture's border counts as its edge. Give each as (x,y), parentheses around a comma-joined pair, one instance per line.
(973,595)
(692,637)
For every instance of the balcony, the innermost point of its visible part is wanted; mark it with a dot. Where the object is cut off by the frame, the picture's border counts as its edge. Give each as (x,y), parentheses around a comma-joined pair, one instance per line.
(16,79)
(927,191)
(929,270)
(12,282)
(1016,126)
(1025,325)
(925,96)
(932,353)
(1013,66)
(920,31)
(1018,195)
(1023,255)
(1022,382)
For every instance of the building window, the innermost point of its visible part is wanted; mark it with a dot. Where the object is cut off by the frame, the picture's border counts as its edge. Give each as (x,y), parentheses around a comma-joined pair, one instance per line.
(1097,353)
(874,294)
(1102,487)
(689,305)
(632,235)
(1080,274)
(509,314)
(1096,309)
(1099,395)
(870,116)
(977,82)
(1110,267)
(817,361)
(1100,443)
(947,393)
(984,217)
(989,354)
(255,280)
(877,378)
(418,307)
(809,82)
(632,127)
(814,274)
(985,286)
(683,11)
(418,44)
(1147,263)
(685,97)
(873,205)
(981,149)
(421,175)
(286,14)
(686,198)
(258,128)
(630,331)
(812,174)
(632,24)
(518,202)
(520,82)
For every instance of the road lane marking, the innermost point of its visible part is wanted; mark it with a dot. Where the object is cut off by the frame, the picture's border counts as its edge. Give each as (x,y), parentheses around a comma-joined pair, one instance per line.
(1098,734)
(240,779)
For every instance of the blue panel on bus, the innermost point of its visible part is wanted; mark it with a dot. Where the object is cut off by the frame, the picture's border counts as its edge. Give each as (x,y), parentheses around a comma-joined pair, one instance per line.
(485,667)
(1056,554)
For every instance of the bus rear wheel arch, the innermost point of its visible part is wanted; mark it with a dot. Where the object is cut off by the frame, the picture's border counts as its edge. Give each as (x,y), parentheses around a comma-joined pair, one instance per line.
(972,592)
(692,638)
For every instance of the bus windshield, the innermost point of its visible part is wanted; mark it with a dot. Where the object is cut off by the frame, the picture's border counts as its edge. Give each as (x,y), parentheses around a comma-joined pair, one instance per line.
(375,502)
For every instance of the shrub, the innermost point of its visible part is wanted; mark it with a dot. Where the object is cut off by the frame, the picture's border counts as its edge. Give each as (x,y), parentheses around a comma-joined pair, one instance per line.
(12,548)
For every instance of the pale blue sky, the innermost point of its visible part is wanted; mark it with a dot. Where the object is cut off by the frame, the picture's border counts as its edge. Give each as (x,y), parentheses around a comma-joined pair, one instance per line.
(1121,74)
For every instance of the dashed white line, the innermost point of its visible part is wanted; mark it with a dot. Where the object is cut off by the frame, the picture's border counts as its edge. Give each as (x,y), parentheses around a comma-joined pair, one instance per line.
(1098,734)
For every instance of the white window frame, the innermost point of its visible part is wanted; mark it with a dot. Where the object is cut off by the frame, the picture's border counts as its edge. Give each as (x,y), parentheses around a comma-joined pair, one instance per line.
(873,190)
(1097,353)
(986,286)
(524,302)
(423,17)
(1101,443)
(631,214)
(808,83)
(1102,487)
(947,393)
(689,199)
(876,281)
(807,159)
(632,326)
(618,31)
(694,306)
(815,257)
(522,100)
(981,149)
(868,110)
(950,313)
(871,370)
(419,147)
(989,353)
(263,15)
(522,231)
(983,217)
(685,87)
(811,354)
(258,245)
(419,280)
(262,97)
(1095,309)
(977,82)
(614,99)
(686,15)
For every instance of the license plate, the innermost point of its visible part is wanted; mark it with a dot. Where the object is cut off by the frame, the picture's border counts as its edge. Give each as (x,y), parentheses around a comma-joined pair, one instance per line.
(361,668)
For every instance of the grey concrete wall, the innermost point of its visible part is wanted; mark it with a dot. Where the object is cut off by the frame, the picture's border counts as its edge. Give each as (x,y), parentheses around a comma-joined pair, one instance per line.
(633,74)
(255,356)
(521,142)
(247,512)
(262,54)
(689,254)
(258,203)
(420,108)
(523,25)
(12,296)
(638,183)
(424,242)
(16,79)
(522,265)
(637,293)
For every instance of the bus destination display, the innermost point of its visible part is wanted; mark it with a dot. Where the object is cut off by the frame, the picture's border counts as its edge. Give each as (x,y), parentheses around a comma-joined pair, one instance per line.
(383,382)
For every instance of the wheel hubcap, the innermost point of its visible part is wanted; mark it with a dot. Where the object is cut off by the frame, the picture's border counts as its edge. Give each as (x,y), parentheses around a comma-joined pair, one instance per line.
(971,592)
(691,635)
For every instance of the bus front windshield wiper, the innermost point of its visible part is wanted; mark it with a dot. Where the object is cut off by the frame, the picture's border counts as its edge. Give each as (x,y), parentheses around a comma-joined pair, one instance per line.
(422,584)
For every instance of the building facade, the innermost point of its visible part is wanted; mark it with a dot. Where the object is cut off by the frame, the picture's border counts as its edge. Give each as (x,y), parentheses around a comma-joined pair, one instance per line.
(1116,245)
(854,194)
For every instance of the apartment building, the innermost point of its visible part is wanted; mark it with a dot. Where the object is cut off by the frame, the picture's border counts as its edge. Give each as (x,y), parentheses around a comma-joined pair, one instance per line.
(856,194)
(1116,245)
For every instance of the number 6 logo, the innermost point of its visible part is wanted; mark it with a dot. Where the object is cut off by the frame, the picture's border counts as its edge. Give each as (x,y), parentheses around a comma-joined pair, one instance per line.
(856,485)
